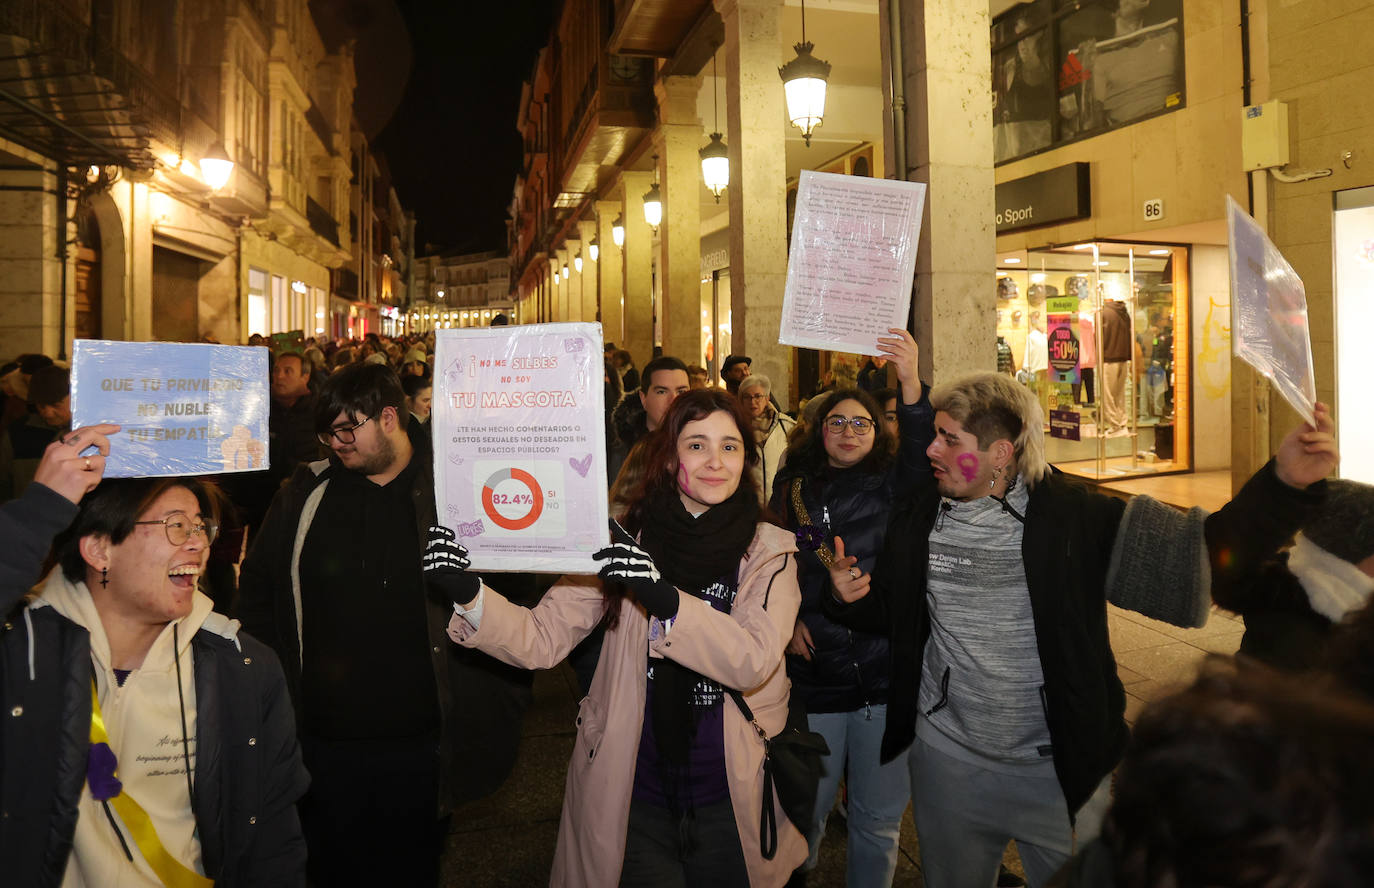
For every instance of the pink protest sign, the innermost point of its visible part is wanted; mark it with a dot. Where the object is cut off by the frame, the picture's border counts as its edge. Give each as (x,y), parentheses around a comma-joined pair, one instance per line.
(519,445)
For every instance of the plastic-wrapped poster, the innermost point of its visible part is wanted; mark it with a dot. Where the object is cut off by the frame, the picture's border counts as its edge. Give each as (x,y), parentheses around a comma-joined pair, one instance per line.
(184,408)
(851,262)
(519,445)
(1269,329)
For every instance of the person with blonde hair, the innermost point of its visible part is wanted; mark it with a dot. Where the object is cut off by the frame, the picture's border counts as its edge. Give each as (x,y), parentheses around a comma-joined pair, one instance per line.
(993,583)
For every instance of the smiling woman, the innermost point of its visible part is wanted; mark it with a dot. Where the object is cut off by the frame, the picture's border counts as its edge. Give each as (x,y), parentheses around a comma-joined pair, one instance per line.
(666,782)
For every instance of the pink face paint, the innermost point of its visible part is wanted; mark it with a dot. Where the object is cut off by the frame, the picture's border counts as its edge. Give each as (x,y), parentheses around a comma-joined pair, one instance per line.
(682,479)
(968,465)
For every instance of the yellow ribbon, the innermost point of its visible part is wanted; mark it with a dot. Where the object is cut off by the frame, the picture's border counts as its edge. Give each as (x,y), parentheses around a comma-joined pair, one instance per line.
(172,872)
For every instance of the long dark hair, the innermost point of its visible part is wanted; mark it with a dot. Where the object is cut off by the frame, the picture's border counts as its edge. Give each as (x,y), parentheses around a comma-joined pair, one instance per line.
(806,455)
(659,462)
(660,456)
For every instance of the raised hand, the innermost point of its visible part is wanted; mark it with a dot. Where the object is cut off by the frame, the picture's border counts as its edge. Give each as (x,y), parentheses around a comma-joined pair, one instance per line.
(1308,454)
(850,583)
(631,566)
(901,349)
(446,567)
(66,471)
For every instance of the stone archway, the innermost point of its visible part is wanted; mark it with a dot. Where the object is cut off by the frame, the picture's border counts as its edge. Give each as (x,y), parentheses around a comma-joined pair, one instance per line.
(100,234)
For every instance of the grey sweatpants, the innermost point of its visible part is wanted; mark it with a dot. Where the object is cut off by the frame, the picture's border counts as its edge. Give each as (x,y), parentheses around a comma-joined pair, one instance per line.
(966,812)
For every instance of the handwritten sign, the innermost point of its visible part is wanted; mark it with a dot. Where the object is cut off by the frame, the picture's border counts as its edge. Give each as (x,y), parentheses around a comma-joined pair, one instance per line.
(519,445)
(1269,328)
(185,409)
(852,259)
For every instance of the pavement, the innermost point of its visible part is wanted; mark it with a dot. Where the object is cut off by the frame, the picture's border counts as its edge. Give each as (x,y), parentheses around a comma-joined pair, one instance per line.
(507,840)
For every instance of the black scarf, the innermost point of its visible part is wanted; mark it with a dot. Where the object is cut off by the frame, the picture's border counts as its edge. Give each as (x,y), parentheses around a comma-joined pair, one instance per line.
(691,553)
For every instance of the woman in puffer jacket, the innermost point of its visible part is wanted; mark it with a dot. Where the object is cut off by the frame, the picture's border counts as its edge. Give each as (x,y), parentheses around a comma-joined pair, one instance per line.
(842,473)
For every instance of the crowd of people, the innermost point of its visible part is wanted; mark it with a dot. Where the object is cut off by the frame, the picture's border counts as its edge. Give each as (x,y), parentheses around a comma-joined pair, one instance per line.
(294,676)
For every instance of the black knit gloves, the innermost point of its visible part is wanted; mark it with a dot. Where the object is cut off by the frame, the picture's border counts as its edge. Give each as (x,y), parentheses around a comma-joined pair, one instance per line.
(446,567)
(628,564)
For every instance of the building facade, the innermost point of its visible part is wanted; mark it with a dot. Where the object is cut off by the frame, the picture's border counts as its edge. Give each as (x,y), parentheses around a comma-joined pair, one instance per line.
(112,120)
(462,290)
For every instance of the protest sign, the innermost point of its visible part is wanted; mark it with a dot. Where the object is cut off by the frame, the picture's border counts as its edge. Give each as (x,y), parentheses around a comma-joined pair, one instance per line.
(1269,313)
(852,259)
(520,445)
(184,408)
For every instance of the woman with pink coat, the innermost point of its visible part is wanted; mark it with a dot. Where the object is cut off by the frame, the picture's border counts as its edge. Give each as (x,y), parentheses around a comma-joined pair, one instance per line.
(665,786)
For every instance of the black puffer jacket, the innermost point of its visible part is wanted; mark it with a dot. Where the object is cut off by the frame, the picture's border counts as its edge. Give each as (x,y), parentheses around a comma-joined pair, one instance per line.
(249,772)
(629,423)
(850,667)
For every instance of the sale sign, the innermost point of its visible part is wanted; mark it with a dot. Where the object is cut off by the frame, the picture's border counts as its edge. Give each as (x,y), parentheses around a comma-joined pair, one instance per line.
(1062,335)
(519,445)
(184,408)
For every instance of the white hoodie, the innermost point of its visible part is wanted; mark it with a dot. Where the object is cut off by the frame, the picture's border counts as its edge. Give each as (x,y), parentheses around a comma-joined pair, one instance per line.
(143,719)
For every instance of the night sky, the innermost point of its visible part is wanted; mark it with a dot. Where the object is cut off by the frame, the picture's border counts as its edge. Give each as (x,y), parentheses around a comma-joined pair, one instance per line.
(451,144)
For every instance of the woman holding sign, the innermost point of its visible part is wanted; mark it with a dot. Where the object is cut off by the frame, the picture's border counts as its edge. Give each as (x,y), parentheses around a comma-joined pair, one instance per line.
(666,782)
(841,474)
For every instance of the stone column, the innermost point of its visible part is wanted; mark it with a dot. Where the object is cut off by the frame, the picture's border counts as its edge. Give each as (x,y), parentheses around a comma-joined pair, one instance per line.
(564,311)
(611,273)
(755,131)
(639,310)
(679,137)
(556,288)
(576,281)
(946,84)
(590,278)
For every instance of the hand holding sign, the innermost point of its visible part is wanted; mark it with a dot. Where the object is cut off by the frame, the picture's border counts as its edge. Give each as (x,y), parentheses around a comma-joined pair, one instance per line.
(70,466)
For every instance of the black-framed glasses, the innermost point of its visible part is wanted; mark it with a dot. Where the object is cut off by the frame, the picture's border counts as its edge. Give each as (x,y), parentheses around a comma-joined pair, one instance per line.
(861,425)
(178,526)
(346,435)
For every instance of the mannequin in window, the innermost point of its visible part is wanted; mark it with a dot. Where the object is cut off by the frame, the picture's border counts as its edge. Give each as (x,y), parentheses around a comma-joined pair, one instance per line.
(1116,356)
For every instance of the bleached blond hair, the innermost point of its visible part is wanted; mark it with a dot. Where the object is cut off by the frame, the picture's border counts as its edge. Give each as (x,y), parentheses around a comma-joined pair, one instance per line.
(993,407)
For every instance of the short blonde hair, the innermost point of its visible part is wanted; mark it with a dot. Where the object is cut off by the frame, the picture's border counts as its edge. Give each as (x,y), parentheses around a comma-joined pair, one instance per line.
(993,407)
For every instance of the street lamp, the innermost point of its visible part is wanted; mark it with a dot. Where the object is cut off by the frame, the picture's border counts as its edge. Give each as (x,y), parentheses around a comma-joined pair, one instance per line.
(803,82)
(653,201)
(593,250)
(618,231)
(577,262)
(715,158)
(565,271)
(216,167)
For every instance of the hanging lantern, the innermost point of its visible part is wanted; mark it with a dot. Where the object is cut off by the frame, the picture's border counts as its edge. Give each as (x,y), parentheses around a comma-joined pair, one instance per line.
(577,263)
(653,201)
(593,250)
(715,166)
(803,83)
(565,271)
(618,231)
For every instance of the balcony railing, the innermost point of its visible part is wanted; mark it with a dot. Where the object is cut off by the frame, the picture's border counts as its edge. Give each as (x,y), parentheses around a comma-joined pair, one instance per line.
(322,222)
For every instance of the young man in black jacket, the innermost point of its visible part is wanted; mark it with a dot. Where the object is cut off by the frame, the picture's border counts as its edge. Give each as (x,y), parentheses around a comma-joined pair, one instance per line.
(187,786)
(994,584)
(389,710)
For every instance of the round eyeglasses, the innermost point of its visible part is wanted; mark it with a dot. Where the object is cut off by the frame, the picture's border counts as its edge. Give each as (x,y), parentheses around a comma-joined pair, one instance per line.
(861,425)
(345,435)
(178,526)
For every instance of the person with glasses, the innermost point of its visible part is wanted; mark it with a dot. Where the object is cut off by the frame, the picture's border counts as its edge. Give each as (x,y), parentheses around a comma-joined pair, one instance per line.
(842,472)
(147,740)
(993,583)
(333,585)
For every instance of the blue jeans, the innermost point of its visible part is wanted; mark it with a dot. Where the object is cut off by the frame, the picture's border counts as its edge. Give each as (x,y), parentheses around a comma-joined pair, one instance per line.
(966,813)
(877,793)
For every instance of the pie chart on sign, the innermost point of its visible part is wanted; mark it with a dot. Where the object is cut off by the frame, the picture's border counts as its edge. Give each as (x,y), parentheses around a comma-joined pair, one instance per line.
(513,511)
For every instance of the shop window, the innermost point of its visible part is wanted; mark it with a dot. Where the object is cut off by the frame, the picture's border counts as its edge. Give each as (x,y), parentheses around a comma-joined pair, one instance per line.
(257,301)
(1091,329)
(1082,68)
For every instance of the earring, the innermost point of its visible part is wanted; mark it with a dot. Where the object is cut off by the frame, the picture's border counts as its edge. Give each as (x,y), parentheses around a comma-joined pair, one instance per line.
(996,474)
(104,576)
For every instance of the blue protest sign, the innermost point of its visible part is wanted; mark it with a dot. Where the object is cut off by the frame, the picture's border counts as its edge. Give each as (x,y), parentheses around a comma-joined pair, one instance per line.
(185,409)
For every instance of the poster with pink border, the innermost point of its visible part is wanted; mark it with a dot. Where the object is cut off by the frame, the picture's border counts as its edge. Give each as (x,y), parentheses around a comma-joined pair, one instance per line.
(519,445)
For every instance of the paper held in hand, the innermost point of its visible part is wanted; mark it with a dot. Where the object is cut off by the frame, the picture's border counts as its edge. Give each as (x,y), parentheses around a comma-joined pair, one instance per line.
(520,445)
(851,262)
(184,408)
(1269,329)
